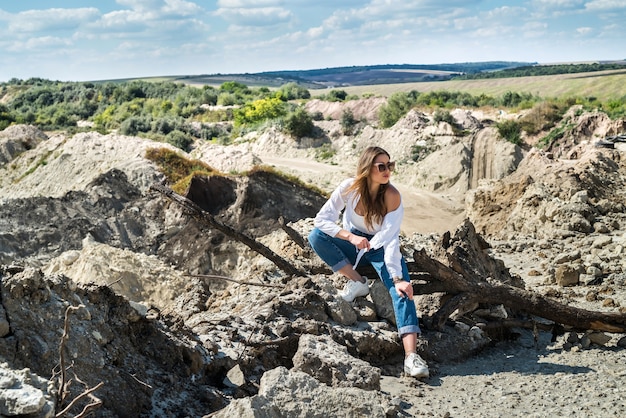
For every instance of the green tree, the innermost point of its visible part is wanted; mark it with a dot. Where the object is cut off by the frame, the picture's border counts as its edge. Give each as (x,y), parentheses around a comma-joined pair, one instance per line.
(397,107)
(293,91)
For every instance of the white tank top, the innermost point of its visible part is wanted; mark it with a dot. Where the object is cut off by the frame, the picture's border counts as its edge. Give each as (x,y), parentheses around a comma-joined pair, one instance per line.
(359,223)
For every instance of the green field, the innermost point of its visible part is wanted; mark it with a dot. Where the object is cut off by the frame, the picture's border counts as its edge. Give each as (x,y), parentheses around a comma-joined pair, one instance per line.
(603,85)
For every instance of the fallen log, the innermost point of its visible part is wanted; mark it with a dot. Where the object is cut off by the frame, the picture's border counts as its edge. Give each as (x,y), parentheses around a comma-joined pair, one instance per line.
(470,278)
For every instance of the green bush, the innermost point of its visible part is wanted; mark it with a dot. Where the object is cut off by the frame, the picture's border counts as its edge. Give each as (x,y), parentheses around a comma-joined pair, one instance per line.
(325,152)
(136,124)
(337,95)
(6,118)
(443,116)
(179,139)
(510,130)
(541,117)
(398,105)
(260,110)
(348,122)
(293,91)
(299,123)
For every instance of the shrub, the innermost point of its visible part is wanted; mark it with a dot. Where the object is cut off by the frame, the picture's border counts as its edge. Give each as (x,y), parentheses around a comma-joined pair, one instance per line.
(348,122)
(292,91)
(397,106)
(325,152)
(179,139)
(510,130)
(443,116)
(541,117)
(259,110)
(134,125)
(337,95)
(6,118)
(299,123)
(317,115)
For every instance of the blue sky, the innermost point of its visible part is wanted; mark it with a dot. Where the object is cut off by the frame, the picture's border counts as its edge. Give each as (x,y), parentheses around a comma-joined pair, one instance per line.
(73,40)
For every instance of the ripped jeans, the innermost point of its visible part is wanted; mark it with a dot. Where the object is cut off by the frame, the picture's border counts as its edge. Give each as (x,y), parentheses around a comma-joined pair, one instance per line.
(338,253)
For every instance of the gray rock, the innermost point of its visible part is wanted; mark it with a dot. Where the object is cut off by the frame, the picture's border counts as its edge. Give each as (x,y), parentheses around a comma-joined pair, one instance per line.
(24,393)
(567,275)
(330,363)
(285,393)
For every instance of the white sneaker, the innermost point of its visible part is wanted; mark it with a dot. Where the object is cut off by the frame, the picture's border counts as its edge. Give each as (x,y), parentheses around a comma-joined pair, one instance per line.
(415,366)
(354,289)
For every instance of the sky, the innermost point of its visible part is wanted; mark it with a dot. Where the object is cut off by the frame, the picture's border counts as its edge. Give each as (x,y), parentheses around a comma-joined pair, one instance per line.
(89,40)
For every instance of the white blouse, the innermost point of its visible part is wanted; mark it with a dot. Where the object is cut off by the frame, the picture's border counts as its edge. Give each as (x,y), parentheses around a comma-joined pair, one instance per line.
(385,234)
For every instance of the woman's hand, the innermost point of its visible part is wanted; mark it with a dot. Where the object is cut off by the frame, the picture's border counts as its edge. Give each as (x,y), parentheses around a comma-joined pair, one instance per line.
(404,289)
(359,242)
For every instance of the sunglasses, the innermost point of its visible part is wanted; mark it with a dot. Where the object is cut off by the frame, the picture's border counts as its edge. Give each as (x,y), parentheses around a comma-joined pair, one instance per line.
(382,167)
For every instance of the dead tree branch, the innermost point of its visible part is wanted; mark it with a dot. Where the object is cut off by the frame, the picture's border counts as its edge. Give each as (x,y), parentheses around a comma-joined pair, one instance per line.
(64,384)
(198,213)
(213,276)
(466,280)
(96,402)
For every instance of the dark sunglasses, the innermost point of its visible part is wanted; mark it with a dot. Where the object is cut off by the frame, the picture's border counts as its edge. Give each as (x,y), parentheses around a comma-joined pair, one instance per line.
(382,167)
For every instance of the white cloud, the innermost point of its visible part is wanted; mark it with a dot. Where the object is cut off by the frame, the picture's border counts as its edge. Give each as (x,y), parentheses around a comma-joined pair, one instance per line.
(140,5)
(584,30)
(51,19)
(605,4)
(237,4)
(181,8)
(261,16)
(558,4)
(534,29)
(39,43)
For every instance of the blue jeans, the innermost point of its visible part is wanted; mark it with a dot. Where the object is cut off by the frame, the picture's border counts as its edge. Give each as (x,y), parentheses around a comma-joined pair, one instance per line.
(338,253)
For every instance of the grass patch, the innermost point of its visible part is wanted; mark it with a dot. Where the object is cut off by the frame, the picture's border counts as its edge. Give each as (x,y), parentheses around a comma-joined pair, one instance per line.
(42,161)
(554,135)
(324,152)
(178,170)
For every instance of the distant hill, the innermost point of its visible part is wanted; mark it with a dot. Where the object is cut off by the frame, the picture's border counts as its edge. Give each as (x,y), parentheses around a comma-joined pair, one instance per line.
(356,75)
(548,69)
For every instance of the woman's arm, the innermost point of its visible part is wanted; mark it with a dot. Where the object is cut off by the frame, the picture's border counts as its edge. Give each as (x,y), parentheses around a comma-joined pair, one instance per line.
(327,217)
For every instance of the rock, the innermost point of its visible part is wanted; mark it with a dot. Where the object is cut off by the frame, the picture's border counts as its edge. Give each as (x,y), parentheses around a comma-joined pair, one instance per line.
(235,378)
(24,393)
(330,363)
(567,275)
(601,242)
(598,338)
(17,139)
(292,393)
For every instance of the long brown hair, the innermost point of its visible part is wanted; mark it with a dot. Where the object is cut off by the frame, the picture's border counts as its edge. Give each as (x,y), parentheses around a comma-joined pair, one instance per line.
(374,206)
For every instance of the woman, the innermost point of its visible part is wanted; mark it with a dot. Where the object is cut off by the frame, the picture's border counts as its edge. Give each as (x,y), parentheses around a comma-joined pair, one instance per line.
(370,234)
